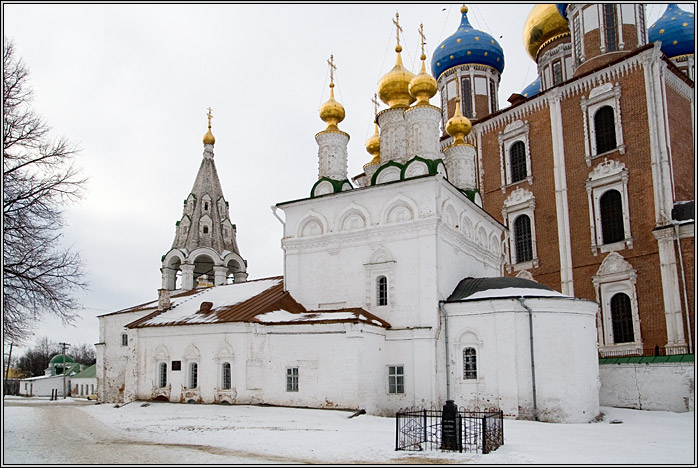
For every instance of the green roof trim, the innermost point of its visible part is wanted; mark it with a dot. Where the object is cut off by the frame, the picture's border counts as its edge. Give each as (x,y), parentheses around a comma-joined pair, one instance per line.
(470,194)
(647,359)
(337,185)
(385,166)
(432,166)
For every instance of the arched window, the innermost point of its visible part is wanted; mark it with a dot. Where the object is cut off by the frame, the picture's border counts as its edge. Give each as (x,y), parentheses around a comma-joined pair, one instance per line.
(193,375)
(382,293)
(162,375)
(605,128)
(522,239)
(469,363)
(227,376)
(466,98)
(611,208)
(622,319)
(517,161)
(205,229)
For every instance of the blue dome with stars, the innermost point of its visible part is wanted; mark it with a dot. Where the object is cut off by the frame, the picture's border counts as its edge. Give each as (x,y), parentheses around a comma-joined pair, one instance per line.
(467,45)
(675,30)
(562,8)
(532,89)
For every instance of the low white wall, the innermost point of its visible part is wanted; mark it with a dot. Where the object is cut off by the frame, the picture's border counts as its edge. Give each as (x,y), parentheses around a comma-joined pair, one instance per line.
(649,386)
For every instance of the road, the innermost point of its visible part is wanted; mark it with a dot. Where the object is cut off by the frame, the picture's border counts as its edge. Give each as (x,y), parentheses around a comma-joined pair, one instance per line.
(46,432)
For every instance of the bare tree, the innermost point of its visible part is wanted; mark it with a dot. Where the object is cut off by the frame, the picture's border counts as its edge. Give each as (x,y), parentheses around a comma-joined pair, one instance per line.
(39,179)
(84,354)
(36,359)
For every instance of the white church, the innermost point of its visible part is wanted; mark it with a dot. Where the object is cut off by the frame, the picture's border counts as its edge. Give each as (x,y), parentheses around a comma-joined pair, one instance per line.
(392,294)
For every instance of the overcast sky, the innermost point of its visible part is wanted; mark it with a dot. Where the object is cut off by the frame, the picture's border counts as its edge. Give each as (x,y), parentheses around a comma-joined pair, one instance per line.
(131,84)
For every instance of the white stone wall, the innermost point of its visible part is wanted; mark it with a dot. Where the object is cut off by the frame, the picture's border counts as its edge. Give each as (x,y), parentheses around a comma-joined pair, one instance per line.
(566,363)
(422,234)
(43,386)
(668,386)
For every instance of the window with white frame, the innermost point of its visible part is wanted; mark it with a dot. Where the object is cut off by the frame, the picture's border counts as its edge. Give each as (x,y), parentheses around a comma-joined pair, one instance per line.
(292,379)
(469,363)
(162,374)
(610,27)
(609,216)
(603,131)
(226,376)
(515,154)
(518,213)
(380,274)
(193,375)
(396,379)
(615,285)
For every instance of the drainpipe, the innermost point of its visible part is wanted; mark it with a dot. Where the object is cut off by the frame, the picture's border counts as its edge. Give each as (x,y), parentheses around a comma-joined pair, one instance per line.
(533,361)
(448,369)
(683,279)
(273,210)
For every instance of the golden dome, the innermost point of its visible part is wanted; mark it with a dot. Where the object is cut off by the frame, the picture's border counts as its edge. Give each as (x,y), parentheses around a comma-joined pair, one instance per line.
(373,146)
(393,88)
(423,86)
(332,112)
(543,23)
(458,126)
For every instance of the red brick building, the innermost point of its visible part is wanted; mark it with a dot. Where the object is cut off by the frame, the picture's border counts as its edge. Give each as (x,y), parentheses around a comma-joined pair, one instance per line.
(592,167)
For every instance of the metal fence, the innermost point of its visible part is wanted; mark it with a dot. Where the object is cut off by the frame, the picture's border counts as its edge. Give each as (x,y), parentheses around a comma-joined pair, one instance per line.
(656,351)
(423,429)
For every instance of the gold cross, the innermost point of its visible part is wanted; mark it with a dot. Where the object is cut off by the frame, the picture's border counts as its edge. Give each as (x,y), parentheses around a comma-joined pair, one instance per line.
(424,38)
(375,104)
(209,118)
(333,67)
(396,22)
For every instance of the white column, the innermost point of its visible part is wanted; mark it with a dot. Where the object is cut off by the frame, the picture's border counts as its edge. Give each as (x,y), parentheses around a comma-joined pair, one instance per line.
(670,288)
(561,205)
(220,275)
(332,154)
(187,277)
(240,277)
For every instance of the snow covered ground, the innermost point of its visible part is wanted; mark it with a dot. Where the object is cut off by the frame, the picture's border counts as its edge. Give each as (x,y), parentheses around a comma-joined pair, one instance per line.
(291,435)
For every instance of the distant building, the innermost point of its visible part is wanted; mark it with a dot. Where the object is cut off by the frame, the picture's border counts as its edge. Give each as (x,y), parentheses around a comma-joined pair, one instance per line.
(53,378)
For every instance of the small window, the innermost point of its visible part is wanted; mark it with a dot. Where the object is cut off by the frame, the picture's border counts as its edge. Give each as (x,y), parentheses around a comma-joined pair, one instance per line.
(124,339)
(227,376)
(469,363)
(162,375)
(193,375)
(557,73)
(517,161)
(176,365)
(605,129)
(466,98)
(205,206)
(522,239)
(382,293)
(609,16)
(396,379)
(622,319)
(493,96)
(292,379)
(205,229)
(611,207)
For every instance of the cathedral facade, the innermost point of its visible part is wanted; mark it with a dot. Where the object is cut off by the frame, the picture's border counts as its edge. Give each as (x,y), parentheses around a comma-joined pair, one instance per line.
(426,279)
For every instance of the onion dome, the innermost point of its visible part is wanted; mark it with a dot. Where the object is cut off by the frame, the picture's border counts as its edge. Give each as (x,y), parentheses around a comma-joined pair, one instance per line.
(209,139)
(676,31)
(332,112)
(60,358)
(373,146)
(458,126)
(393,88)
(423,86)
(532,89)
(467,45)
(543,24)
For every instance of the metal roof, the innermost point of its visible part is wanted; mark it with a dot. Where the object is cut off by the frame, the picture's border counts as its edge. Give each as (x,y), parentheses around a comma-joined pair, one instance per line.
(249,302)
(498,287)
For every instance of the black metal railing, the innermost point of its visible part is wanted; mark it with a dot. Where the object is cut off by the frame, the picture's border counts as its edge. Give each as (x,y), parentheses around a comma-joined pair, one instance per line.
(423,429)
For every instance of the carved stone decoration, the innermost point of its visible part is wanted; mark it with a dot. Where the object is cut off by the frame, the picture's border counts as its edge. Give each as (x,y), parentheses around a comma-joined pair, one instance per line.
(613,263)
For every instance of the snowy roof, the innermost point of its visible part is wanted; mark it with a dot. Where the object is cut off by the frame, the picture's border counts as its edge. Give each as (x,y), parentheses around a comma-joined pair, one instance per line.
(470,289)
(260,301)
